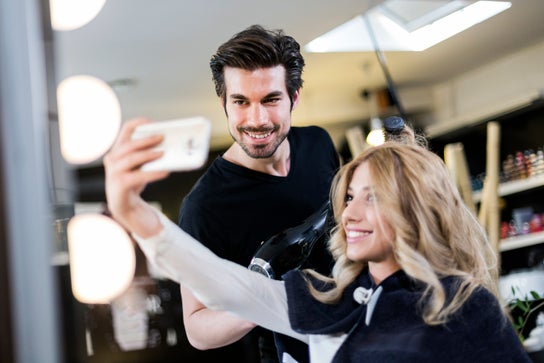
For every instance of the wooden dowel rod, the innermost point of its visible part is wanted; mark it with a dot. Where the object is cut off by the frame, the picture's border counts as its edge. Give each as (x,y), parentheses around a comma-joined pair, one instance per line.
(492,177)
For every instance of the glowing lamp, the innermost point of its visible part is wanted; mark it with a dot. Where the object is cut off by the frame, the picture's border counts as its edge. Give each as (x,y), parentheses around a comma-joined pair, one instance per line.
(89,118)
(72,14)
(375,136)
(102,258)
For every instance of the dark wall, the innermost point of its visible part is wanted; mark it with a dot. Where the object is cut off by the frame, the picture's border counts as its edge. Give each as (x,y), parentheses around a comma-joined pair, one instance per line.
(168,192)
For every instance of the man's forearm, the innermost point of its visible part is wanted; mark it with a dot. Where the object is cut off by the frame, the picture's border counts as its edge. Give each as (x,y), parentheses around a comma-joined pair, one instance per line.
(209,329)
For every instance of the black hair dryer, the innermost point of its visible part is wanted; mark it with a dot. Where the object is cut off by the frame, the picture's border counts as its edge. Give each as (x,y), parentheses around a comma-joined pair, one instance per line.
(290,248)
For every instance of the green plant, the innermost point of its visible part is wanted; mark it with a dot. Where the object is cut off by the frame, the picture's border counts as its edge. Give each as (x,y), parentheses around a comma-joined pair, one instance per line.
(523,308)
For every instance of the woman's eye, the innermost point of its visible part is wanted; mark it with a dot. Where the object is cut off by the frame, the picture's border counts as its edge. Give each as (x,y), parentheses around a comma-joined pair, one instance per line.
(348,198)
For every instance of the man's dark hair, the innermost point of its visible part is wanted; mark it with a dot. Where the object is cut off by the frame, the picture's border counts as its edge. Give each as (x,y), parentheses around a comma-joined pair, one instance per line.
(254,48)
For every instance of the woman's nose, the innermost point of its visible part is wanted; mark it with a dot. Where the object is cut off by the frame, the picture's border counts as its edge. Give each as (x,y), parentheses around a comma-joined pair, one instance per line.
(353,211)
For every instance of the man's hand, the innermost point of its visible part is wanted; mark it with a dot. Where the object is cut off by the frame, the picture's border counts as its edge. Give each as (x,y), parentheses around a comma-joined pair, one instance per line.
(125,181)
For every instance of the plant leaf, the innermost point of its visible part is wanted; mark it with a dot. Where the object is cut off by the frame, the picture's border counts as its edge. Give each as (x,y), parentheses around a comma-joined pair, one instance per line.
(522,306)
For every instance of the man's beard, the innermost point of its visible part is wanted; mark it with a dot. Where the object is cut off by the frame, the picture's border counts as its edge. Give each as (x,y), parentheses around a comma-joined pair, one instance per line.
(262,151)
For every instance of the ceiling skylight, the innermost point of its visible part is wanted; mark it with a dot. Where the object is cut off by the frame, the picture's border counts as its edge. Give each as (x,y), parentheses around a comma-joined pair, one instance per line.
(406,25)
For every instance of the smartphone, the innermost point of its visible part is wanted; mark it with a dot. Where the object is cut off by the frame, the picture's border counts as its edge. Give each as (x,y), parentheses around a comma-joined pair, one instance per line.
(186,143)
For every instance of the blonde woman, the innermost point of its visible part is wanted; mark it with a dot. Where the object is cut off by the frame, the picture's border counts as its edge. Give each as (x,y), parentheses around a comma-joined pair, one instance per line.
(414,274)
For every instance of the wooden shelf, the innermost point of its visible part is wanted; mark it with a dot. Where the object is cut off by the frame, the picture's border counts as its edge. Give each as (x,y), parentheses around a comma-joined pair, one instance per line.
(525,240)
(514,186)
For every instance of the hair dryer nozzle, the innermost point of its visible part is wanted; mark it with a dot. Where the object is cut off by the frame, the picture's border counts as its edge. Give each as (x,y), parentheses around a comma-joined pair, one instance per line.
(290,248)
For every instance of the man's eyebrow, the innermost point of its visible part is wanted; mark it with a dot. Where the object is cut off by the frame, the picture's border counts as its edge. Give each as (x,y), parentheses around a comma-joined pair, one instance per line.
(273,94)
(238,96)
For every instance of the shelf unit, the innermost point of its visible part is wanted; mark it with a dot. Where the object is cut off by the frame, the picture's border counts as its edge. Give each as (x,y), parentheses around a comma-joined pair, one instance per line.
(522,126)
(513,187)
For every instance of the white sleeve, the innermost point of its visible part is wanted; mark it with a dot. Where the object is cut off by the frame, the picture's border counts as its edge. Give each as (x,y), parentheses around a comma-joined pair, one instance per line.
(218,283)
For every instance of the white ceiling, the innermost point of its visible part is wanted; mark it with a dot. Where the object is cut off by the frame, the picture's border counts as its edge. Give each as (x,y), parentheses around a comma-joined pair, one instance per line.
(164,46)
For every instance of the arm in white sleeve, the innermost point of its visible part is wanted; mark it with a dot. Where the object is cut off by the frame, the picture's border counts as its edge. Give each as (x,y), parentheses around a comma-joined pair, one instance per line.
(218,283)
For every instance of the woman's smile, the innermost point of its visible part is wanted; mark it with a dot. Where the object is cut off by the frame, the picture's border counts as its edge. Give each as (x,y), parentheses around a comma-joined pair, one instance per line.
(356,235)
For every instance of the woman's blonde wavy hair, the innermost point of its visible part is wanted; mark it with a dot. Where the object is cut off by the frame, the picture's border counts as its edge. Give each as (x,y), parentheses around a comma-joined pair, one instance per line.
(436,235)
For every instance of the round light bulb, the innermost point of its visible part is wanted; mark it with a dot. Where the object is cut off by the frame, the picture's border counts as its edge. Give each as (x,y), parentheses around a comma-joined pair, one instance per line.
(89,118)
(375,136)
(72,14)
(102,258)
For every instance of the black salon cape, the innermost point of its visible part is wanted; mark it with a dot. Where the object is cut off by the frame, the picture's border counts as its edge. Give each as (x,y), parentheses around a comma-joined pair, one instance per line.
(479,332)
